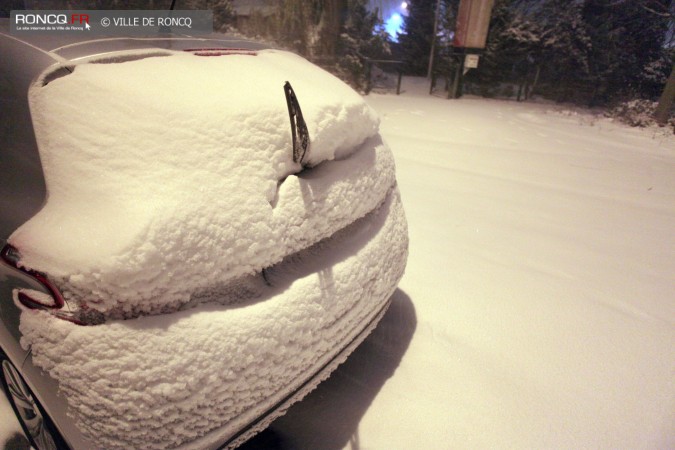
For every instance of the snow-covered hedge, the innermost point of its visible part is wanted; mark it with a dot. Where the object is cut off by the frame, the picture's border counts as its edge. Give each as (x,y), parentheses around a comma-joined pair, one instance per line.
(637,113)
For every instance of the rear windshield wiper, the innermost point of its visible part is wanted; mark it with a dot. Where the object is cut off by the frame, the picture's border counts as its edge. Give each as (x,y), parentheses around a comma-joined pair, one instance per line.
(298,126)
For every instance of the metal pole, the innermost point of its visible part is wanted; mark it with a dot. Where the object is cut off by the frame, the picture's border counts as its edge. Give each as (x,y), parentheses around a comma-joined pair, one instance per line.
(369,70)
(458,75)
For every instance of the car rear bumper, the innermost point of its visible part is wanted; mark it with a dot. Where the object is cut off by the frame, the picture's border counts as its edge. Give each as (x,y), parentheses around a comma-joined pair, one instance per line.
(216,374)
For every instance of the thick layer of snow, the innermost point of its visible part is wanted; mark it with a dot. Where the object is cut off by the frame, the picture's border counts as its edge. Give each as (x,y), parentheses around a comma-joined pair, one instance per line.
(540,279)
(163,381)
(184,190)
(158,190)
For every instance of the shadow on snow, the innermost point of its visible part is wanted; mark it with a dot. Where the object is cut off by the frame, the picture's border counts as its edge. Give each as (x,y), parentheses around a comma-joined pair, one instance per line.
(328,418)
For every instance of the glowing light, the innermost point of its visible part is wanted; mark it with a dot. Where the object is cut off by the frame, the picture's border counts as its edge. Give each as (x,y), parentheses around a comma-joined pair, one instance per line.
(404,5)
(394,26)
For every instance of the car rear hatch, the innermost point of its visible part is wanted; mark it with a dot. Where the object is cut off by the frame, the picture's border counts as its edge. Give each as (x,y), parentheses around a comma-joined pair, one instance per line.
(169,173)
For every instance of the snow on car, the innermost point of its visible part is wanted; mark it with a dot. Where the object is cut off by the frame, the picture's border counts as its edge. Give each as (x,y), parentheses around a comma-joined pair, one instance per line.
(209,276)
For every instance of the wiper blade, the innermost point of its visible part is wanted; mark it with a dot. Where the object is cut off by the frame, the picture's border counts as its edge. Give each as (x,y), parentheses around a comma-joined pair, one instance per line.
(298,126)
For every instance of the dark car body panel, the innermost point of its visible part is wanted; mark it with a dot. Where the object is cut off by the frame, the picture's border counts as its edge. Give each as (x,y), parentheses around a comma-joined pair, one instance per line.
(22,190)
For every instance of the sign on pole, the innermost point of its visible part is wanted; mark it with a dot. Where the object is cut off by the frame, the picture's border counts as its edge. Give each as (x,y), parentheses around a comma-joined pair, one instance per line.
(471,61)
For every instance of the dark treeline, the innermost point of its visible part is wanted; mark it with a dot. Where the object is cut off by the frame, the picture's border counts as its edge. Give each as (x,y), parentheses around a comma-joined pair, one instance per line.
(340,35)
(592,52)
(595,52)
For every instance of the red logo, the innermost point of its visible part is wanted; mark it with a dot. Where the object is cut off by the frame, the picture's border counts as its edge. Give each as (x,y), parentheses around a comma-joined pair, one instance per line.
(80,18)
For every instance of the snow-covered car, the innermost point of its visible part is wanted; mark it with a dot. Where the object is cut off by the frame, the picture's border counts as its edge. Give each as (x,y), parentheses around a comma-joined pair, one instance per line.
(195,233)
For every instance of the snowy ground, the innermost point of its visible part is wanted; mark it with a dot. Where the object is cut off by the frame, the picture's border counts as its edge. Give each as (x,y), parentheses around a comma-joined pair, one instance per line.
(537,310)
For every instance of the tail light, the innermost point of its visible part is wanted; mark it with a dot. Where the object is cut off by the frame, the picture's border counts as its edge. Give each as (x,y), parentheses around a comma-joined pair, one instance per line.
(53,301)
(10,255)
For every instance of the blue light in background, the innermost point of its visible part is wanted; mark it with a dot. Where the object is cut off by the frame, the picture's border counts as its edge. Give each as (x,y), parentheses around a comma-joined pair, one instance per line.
(393,11)
(394,26)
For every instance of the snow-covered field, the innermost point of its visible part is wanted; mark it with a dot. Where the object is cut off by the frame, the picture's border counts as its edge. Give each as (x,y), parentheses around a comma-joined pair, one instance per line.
(538,305)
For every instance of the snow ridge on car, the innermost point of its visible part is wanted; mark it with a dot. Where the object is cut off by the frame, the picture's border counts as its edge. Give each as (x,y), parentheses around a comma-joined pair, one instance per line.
(168,176)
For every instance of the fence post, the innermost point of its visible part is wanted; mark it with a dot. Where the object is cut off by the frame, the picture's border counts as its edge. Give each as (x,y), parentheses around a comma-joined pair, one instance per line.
(457,79)
(369,69)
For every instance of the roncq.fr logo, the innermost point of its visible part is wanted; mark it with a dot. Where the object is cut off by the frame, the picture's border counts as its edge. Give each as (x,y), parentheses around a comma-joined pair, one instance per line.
(50,19)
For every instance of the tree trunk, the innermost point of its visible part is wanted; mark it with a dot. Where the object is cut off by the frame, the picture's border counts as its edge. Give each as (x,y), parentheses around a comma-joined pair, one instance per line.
(530,91)
(330,27)
(666,101)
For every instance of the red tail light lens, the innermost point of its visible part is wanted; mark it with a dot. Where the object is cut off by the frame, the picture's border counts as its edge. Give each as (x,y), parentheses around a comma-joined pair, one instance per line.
(10,255)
